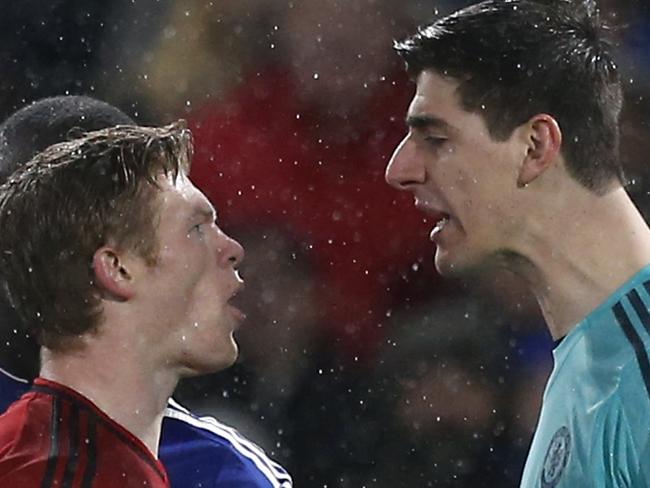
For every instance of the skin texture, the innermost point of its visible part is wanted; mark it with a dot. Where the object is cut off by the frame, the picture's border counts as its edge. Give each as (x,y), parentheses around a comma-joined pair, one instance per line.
(453,167)
(162,319)
(514,204)
(186,291)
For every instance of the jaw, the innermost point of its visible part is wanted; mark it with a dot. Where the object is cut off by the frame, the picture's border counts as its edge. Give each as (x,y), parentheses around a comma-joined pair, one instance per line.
(197,363)
(458,255)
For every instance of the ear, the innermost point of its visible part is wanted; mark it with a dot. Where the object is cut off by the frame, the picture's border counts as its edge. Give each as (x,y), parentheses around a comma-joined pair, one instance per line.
(544,140)
(112,274)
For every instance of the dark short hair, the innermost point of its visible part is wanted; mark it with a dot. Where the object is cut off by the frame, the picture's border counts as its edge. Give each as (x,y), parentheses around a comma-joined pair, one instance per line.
(518,58)
(67,202)
(49,121)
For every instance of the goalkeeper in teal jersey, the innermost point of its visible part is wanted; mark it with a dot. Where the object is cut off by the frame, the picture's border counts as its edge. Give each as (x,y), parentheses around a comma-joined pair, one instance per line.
(595,422)
(513,151)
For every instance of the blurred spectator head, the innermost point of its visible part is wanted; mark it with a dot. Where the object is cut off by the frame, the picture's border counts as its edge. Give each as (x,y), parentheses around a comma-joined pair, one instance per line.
(442,356)
(199,53)
(49,121)
(339,50)
(440,373)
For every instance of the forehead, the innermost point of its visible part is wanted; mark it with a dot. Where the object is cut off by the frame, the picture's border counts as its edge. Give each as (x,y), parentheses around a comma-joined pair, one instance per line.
(434,95)
(437,105)
(179,195)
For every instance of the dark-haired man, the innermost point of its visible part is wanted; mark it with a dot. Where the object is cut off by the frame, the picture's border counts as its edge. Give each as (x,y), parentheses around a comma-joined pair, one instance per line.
(195,451)
(513,149)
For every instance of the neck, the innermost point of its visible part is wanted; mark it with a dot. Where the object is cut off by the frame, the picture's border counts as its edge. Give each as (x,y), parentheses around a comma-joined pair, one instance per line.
(575,260)
(120,379)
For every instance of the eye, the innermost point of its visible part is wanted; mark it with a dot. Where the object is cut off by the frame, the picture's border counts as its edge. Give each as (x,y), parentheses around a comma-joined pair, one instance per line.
(197,229)
(435,141)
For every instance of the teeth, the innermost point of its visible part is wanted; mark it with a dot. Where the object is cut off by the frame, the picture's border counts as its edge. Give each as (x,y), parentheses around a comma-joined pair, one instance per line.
(440,225)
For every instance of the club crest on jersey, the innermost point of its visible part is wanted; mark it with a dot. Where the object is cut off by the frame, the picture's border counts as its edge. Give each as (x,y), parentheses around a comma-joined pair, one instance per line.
(556,458)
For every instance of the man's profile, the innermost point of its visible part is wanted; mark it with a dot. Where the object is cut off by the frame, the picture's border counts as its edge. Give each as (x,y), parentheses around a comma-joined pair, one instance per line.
(513,149)
(125,280)
(194,450)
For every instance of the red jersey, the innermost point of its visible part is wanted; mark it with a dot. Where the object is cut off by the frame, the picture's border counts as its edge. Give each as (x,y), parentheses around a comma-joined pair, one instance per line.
(54,437)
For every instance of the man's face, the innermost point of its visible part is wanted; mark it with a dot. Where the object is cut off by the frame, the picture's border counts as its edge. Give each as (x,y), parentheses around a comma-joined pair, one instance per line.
(459,175)
(194,276)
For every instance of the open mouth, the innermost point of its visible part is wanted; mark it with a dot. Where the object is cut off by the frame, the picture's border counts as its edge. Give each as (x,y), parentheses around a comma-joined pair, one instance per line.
(438,216)
(235,303)
(440,225)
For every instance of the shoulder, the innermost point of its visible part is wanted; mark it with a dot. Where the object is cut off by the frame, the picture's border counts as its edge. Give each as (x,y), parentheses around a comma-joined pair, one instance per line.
(203,446)
(25,432)
(27,418)
(632,397)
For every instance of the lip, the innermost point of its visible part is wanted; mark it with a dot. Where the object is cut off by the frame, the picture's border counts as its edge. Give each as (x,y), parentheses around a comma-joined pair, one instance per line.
(234,296)
(438,216)
(237,313)
(426,207)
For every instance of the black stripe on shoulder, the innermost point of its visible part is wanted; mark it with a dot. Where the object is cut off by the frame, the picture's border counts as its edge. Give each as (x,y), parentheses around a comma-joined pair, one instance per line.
(53,455)
(646,285)
(91,466)
(637,344)
(73,457)
(640,309)
(136,448)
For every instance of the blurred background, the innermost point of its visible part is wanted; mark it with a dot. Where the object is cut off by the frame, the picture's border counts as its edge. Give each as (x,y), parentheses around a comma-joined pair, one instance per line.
(359,366)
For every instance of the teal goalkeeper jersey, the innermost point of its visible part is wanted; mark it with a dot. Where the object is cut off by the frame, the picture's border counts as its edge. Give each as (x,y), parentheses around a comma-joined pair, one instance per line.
(594,426)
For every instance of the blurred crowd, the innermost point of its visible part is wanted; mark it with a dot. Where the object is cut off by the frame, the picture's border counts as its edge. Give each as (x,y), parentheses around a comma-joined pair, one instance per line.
(359,366)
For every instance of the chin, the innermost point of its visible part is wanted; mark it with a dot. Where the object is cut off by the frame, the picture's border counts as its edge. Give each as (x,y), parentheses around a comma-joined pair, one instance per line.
(444,265)
(213,361)
(225,359)
(454,266)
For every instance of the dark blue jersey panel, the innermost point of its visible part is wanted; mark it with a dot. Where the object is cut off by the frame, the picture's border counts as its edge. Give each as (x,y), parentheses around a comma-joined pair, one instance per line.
(11,389)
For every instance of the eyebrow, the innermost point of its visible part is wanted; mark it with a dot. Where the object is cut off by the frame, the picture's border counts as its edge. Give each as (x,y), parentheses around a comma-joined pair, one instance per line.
(204,212)
(427,122)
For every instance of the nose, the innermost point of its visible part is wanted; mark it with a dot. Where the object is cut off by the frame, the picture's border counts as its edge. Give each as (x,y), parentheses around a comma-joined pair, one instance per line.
(403,170)
(231,252)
